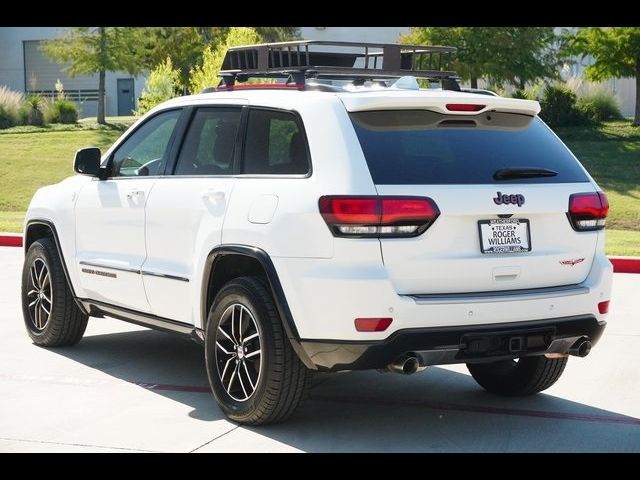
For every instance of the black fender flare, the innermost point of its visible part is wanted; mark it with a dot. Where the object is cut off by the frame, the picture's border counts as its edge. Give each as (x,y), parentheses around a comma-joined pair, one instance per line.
(49,224)
(275,286)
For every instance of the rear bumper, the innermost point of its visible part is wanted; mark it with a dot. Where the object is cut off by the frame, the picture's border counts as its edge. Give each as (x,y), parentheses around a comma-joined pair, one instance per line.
(459,344)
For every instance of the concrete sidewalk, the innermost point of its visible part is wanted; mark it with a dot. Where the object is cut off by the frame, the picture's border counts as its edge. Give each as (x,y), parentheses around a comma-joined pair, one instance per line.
(124,388)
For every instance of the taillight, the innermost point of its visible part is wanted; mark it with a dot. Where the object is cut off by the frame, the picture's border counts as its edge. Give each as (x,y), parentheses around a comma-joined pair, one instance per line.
(588,211)
(464,107)
(378,216)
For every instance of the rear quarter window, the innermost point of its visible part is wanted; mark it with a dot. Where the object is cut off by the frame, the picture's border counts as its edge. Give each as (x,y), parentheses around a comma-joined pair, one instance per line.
(404,147)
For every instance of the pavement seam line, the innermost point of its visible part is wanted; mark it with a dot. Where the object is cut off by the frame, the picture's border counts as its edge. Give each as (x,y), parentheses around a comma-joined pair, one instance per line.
(215,438)
(78,445)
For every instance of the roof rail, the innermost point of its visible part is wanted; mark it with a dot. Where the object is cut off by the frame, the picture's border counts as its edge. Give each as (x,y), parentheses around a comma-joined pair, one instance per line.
(298,61)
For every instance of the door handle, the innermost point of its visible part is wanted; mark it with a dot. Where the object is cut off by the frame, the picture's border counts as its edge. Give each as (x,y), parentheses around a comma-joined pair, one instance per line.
(213,196)
(131,194)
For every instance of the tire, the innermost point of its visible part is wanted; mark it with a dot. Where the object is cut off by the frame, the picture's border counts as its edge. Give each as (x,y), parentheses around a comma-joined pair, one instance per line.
(268,386)
(527,376)
(65,323)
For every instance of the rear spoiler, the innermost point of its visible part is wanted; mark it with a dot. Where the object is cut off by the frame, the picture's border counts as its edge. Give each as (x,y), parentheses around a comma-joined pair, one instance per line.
(434,101)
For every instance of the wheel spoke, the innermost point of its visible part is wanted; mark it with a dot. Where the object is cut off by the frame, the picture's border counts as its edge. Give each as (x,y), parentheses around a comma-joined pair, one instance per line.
(233,322)
(253,387)
(43,308)
(34,275)
(32,292)
(226,334)
(242,383)
(34,302)
(223,349)
(233,377)
(45,280)
(41,275)
(44,296)
(252,354)
(36,313)
(240,324)
(224,370)
(250,337)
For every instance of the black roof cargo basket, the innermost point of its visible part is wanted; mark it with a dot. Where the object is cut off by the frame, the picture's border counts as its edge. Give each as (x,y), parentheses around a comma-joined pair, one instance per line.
(301,60)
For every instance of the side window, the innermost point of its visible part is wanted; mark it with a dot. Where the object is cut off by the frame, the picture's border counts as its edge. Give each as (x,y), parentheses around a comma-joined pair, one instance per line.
(145,151)
(275,144)
(209,143)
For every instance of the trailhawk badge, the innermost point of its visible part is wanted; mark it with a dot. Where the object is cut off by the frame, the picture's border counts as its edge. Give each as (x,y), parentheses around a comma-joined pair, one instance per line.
(572,262)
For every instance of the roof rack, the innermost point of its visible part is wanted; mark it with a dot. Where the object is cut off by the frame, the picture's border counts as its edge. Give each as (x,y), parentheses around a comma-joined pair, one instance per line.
(301,60)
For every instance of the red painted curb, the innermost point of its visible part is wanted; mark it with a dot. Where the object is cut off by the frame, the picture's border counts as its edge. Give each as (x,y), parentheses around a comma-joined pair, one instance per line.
(620,264)
(10,240)
(625,264)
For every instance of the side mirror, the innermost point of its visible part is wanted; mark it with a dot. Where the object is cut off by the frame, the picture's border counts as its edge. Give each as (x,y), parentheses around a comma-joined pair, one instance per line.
(87,162)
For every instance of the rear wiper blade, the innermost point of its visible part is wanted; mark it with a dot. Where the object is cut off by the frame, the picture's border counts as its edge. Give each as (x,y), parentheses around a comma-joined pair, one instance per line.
(523,172)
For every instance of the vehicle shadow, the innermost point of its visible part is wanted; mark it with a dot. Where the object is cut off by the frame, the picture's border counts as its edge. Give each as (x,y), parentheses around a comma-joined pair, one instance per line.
(438,410)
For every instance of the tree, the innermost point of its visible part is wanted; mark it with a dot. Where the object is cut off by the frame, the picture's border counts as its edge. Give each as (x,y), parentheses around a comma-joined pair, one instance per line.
(98,50)
(186,45)
(615,52)
(206,75)
(163,84)
(516,55)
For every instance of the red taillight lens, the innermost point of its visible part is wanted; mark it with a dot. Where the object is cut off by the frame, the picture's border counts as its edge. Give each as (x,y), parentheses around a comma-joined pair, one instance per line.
(588,211)
(378,216)
(350,209)
(372,324)
(464,107)
(603,307)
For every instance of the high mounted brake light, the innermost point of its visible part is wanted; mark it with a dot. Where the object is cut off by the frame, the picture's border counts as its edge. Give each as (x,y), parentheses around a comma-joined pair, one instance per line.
(464,107)
(375,217)
(588,211)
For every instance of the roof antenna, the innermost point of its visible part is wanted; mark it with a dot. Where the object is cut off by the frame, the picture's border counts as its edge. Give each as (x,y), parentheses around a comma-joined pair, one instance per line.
(407,82)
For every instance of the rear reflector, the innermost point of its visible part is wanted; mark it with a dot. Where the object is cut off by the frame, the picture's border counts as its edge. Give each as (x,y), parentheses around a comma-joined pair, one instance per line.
(588,211)
(372,324)
(377,216)
(603,307)
(464,107)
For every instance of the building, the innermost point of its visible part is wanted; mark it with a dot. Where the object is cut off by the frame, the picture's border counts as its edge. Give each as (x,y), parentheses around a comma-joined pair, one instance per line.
(25,68)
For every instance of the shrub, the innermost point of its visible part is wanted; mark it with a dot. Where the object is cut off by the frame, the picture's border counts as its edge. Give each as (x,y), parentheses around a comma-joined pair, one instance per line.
(63,111)
(10,102)
(163,84)
(35,115)
(559,107)
(599,105)
(8,118)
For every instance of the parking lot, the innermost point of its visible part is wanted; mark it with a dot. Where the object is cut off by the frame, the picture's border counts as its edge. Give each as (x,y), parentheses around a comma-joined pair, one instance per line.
(125,388)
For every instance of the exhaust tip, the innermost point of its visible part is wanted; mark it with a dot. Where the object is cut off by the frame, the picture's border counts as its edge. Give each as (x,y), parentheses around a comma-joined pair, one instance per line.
(405,364)
(581,348)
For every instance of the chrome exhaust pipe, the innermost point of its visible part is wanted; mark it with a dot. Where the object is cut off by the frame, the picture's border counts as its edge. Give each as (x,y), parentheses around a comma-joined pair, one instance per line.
(405,364)
(581,348)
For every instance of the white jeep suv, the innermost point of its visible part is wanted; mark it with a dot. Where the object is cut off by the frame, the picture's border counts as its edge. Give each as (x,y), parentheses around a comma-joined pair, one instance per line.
(344,219)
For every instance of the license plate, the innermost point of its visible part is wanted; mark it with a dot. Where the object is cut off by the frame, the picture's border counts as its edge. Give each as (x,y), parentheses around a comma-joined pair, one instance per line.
(504,235)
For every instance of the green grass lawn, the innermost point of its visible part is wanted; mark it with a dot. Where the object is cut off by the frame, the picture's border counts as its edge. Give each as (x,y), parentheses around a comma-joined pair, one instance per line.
(34,156)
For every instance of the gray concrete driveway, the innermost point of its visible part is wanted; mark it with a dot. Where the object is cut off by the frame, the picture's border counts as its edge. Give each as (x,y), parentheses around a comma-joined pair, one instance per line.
(124,388)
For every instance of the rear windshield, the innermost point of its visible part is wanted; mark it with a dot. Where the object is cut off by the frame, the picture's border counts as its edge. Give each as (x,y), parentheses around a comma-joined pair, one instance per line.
(405,147)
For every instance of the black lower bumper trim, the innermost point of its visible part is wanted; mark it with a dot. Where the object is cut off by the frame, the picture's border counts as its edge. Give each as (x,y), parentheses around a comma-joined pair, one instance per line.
(460,344)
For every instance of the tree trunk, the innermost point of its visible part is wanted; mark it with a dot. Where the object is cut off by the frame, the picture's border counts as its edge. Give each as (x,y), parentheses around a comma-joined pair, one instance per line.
(474,82)
(102,60)
(101,118)
(636,120)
